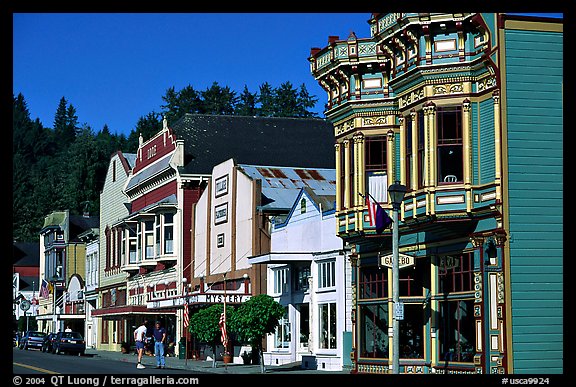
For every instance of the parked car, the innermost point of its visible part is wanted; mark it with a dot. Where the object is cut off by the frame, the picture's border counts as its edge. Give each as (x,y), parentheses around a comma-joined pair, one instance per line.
(32,339)
(48,342)
(69,342)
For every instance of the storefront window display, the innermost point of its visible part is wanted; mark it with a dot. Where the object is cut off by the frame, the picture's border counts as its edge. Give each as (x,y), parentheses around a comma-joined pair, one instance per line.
(456,324)
(374,343)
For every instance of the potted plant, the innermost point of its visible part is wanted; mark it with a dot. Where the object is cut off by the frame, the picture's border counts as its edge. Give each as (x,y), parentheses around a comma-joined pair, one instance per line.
(226,357)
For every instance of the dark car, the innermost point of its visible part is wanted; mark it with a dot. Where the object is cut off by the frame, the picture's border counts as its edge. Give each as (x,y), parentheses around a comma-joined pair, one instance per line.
(32,339)
(69,342)
(48,342)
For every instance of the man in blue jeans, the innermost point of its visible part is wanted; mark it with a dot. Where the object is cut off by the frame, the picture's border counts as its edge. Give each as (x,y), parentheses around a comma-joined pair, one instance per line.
(159,340)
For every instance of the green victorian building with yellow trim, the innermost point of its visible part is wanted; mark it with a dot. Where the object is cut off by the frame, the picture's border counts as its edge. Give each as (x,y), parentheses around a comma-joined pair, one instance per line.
(466,111)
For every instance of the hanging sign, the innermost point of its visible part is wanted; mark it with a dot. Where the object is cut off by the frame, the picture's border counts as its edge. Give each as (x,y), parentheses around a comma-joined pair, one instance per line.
(24,305)
(403,260)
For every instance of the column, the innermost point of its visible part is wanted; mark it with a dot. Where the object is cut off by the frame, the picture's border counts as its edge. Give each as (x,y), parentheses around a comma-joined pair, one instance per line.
(467,153)
(497,146)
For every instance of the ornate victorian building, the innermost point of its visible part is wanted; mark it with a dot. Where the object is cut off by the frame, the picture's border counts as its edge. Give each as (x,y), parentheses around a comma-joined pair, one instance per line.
(465,110)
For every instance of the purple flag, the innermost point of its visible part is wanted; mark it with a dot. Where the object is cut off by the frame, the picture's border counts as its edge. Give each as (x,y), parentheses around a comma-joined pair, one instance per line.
(382,220)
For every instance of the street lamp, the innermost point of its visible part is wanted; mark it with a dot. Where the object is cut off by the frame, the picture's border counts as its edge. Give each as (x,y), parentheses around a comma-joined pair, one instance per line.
(396,192)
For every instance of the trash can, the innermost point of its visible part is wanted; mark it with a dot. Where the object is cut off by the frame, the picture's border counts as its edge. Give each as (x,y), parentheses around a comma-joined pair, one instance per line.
(182,348)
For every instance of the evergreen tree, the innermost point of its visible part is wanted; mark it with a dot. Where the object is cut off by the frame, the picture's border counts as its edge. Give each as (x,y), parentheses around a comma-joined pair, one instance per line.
(286,101)
(65,123)
(246,105)
(306,102)
(179,103)
(267,101)
(217,100)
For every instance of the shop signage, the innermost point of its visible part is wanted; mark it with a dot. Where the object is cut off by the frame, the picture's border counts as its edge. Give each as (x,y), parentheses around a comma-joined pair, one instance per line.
(199,299)
(403,260)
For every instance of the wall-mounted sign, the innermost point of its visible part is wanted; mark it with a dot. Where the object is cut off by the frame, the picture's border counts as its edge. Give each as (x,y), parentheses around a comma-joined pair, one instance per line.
(449,262)
(403,260)
(221,186)
(220,240)
(221,213)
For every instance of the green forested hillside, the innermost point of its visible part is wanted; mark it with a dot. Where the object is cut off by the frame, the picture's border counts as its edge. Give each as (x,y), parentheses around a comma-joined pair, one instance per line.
(64,166)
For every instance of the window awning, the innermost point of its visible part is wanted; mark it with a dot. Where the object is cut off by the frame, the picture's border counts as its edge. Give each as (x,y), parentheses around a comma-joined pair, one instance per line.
(125,310)
(281,258)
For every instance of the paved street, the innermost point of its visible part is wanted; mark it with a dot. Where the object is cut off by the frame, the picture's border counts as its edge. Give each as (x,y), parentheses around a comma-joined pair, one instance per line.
(106,362)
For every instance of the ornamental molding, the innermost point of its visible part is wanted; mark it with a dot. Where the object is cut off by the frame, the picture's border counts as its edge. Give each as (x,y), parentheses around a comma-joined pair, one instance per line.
(454,88)
(486,83)
(373,121)
(411,98)
(345,127)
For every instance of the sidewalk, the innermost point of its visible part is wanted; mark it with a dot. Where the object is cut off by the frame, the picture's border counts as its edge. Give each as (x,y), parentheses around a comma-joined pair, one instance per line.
(206,365)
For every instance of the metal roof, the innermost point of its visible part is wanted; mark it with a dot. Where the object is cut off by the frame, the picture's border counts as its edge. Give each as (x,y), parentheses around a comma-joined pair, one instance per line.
(281,185)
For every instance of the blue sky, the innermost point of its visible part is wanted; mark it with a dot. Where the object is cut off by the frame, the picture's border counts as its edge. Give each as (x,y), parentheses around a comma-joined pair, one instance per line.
(115,67)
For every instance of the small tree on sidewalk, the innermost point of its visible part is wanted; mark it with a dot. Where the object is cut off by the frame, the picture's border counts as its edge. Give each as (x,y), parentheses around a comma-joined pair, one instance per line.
(254,319)
(204,325)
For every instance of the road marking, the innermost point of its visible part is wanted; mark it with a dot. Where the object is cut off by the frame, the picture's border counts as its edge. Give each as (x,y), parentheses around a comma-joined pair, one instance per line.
(35,368)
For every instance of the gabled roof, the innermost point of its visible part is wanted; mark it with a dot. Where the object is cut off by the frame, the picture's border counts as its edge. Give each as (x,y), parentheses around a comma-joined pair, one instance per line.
(210,140)
(324,201)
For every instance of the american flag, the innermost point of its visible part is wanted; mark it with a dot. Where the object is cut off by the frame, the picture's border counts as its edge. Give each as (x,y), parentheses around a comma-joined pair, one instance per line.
(186,319)
(224,335)
(44,292)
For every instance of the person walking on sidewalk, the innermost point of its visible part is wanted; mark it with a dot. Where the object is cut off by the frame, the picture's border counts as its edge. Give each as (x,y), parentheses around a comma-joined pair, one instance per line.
(159,340)
(140,337)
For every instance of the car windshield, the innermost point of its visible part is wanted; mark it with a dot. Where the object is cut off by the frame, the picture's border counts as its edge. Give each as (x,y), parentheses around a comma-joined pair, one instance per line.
(36,334)
(72,335)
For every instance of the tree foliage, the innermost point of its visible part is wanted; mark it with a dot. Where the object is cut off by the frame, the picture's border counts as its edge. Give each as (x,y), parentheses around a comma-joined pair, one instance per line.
(64,167)
(254,319)
(204,326)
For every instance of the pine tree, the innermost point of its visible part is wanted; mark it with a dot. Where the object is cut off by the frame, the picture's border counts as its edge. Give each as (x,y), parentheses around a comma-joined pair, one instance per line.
(267,102)
(246,105)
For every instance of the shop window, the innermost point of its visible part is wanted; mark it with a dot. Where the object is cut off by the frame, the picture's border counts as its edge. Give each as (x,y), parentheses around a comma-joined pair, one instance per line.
(456,331)
(304,310)
(328,326)
(449,134)
(414,279)
(412,332)
(282,333)
(374,327)
(456,273)
(373,282)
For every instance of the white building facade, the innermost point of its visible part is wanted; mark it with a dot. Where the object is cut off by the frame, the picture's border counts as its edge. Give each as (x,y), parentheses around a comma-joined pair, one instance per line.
(310,275)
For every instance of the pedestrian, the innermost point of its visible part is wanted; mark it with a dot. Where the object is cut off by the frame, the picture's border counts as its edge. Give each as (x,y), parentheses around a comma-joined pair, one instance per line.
(68,329)
(159,340)
(140,337)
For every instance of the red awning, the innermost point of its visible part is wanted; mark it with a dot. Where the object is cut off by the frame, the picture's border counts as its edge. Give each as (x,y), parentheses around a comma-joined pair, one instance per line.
(126,310)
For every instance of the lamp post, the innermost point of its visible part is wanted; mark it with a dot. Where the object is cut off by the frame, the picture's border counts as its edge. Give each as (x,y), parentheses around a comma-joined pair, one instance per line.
(396,192)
